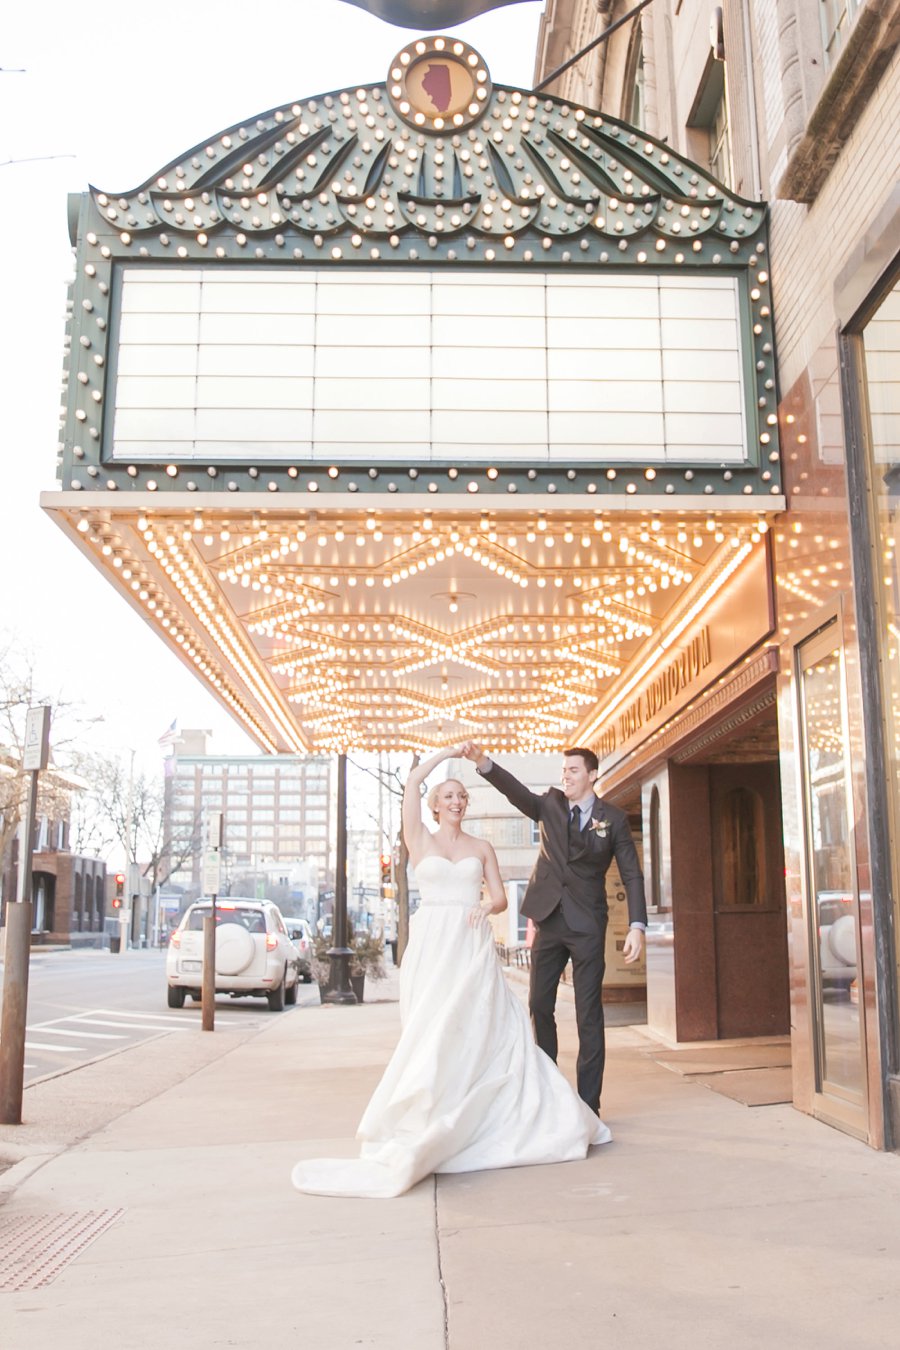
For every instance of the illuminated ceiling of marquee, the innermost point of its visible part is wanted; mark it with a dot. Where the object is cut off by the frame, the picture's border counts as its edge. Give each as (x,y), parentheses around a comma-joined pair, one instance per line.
(412,628)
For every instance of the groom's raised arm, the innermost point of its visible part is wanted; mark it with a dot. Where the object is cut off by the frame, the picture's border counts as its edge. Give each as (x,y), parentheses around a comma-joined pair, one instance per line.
(522,798)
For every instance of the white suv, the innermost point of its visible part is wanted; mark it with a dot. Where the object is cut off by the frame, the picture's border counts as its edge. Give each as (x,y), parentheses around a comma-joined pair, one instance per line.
(255,958)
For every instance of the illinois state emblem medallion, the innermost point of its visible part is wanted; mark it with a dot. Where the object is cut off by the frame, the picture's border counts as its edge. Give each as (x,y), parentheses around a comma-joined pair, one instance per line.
(438,84)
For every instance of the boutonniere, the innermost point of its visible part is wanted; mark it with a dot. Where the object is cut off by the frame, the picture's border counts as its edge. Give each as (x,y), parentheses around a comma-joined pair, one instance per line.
(600,827)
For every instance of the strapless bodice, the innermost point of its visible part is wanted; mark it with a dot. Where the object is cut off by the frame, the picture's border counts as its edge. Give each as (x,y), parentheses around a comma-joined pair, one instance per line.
(444,882)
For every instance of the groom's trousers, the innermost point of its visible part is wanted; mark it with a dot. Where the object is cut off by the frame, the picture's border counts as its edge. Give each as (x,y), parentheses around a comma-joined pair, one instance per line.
(554,943)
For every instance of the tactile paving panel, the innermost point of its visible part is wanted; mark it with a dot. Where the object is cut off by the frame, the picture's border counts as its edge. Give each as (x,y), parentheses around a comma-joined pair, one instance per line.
(34,1248)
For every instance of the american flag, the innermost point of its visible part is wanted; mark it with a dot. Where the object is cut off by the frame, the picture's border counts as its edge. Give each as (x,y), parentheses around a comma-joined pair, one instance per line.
(169,736)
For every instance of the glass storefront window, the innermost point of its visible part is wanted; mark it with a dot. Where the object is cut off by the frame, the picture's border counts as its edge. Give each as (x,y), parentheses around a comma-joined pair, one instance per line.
(833,908)
(881,358)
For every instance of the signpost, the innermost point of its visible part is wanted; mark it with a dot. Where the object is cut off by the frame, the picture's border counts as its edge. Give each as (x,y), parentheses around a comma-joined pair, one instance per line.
(18,930)
(212,880)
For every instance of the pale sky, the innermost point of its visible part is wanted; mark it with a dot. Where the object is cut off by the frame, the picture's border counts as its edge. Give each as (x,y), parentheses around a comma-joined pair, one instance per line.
(120,95)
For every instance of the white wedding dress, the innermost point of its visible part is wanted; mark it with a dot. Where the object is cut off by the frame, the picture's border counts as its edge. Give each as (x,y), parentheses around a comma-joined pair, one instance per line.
(466,1087)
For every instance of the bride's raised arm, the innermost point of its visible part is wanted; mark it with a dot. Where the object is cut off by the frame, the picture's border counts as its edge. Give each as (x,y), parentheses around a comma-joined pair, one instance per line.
(414,828)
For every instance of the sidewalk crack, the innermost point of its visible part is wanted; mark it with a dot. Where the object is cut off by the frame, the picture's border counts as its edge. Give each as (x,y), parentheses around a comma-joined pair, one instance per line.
(440,1265)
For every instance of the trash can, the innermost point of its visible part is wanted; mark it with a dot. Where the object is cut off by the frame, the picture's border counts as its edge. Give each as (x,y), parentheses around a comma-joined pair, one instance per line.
(115,944)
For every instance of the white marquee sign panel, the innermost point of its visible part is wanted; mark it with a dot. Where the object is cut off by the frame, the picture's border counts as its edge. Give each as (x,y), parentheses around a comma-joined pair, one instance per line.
(383,364)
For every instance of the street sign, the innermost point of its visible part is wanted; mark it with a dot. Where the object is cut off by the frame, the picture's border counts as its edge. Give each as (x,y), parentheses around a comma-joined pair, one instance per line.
(212,871)
(37,739)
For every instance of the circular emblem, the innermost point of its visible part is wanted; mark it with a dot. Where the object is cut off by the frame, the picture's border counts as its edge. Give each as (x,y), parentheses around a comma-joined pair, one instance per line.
(438,83)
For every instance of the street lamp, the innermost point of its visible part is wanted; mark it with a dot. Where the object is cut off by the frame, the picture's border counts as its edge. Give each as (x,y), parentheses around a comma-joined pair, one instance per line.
(429,13)
(339,990)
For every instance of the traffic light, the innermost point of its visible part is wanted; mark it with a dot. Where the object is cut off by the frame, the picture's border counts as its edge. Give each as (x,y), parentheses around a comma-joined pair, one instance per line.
(119,892)
(387,887)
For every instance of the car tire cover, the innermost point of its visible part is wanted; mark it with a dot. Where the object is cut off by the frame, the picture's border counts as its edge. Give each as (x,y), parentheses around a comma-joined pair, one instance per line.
(842,939)
(235,949)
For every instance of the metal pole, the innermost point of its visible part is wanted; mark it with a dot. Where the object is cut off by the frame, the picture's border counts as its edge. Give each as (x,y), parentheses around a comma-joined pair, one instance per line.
(15,975)
(339,990)
(208,989)
(125,915)
(606,34)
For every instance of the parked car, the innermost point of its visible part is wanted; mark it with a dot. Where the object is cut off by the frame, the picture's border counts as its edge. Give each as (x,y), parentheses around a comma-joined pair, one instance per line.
(298,931)
(255,958)
(837,939)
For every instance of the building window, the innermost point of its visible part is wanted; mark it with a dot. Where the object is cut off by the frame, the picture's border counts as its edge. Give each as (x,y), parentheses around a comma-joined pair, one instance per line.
(634,109)
(709,137)
(720,142)
(838,17)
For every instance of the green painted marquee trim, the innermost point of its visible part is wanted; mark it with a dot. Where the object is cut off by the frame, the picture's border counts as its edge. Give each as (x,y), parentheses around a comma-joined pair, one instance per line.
(342,179)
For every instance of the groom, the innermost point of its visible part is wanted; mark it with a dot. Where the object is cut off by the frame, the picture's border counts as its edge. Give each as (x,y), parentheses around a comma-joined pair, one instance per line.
(580,834)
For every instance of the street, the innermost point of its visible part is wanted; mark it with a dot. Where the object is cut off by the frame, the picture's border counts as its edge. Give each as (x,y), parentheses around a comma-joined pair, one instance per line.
(84,1006)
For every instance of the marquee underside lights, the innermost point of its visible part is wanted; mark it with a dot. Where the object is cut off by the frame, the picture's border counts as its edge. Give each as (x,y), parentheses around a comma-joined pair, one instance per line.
(381,629)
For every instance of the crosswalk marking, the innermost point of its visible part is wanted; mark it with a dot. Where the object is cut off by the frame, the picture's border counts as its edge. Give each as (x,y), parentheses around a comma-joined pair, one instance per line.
(57,1049)
(81,1035)
(104,1022)
(124,1027)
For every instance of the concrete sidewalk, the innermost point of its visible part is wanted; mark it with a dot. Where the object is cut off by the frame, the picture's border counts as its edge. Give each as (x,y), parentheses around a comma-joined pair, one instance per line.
(150,1191)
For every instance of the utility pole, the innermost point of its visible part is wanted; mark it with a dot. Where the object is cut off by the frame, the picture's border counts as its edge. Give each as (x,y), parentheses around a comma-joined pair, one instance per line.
(18,931)
(125,913)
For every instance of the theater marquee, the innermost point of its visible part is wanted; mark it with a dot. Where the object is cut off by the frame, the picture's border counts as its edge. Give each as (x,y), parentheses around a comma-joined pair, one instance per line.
(425,409)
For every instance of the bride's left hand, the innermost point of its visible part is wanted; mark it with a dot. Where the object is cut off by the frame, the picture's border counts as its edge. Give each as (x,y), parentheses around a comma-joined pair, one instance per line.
(478,915)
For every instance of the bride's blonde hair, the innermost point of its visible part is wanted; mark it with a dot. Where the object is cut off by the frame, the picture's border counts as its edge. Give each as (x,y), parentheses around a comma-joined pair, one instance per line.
(432,797)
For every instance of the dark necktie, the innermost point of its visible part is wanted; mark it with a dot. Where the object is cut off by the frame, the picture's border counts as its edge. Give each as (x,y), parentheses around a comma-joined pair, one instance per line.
(575,827)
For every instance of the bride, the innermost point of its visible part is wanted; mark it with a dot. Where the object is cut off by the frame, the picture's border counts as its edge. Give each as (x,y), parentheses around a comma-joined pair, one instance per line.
(466,1088)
